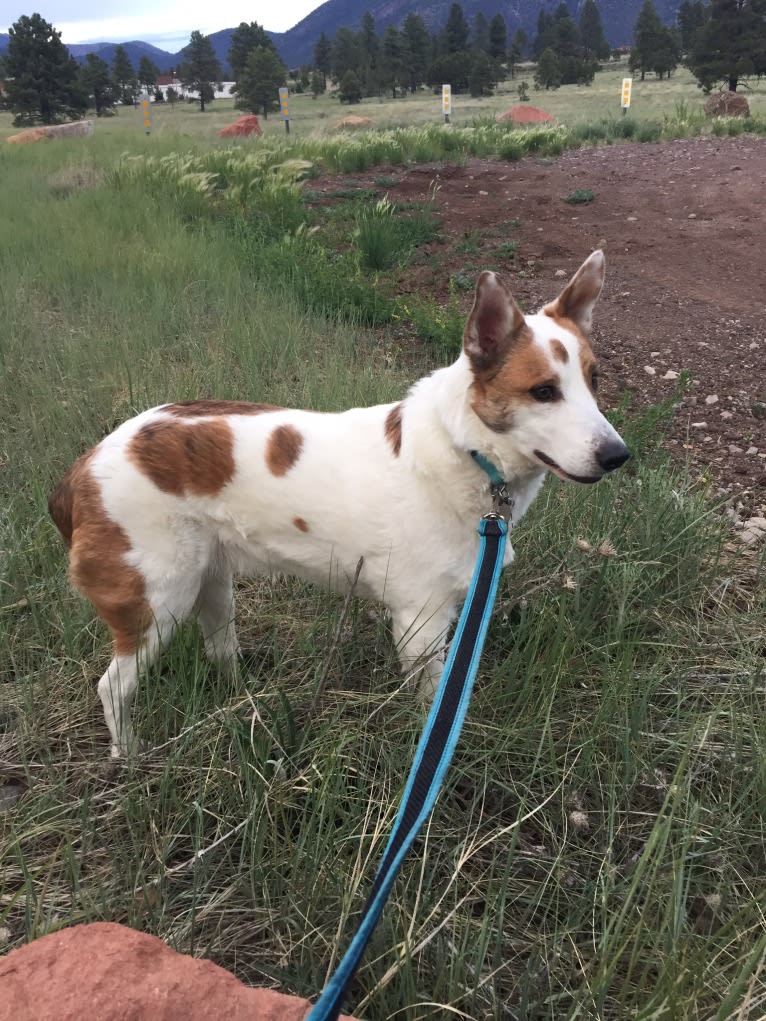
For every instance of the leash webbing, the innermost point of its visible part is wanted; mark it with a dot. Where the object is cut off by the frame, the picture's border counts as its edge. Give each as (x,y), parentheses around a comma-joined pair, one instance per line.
(433,755)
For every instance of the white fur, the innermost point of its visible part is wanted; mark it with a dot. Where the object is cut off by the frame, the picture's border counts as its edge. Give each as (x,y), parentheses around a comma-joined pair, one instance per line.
(412,517)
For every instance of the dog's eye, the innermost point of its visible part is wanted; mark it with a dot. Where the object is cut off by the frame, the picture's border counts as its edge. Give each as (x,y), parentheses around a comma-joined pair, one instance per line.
(594,380)
(545,394)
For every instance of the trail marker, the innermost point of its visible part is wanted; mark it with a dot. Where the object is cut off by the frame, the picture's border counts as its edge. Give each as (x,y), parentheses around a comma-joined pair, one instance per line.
(146,110)
(627,86)
(446,102)
(284,107)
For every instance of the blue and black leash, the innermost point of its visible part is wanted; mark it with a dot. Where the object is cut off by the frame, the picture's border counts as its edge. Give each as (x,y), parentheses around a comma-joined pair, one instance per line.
(437,743)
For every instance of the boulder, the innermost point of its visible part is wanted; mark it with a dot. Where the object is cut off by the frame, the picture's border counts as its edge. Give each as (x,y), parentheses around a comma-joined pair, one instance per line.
(523,113)
(242,127)
(727,104)
(353,120)
(74,129)
(108,972)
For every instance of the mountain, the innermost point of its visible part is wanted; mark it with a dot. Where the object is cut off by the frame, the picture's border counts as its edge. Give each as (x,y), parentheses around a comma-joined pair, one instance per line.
(296,46)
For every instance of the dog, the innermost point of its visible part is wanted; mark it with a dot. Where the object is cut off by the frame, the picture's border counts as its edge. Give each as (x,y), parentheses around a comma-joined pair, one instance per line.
(165,510)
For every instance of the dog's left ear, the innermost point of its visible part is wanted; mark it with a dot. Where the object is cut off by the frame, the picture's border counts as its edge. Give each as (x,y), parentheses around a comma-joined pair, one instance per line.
(493,325)
(579,296)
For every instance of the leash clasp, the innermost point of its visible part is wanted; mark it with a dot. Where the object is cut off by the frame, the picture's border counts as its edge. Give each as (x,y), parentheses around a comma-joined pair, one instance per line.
(502,502)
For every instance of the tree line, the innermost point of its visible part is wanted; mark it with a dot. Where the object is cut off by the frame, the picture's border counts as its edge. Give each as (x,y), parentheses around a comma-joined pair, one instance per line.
(722,42)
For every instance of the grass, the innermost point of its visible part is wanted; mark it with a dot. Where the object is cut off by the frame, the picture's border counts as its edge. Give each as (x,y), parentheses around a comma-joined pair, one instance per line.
(579,196)
(598,849)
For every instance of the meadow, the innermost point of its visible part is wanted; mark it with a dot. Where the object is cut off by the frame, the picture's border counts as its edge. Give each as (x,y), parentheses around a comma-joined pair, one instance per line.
(598,850)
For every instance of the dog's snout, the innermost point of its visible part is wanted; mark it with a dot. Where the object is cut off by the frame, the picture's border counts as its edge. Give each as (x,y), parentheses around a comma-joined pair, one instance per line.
(612,454)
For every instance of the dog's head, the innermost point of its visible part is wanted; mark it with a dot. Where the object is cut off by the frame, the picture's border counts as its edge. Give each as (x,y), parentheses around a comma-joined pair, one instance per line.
(535,377)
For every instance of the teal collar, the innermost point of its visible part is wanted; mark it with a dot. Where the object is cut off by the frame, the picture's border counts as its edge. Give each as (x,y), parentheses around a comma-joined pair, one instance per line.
(495,478)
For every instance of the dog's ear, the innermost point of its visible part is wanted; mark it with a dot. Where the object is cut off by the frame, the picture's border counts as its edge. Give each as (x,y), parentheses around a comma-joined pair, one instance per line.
(493,324)
(579,296)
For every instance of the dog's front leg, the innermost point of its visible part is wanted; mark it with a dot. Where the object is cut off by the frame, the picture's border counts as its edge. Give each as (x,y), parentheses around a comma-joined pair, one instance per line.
(420,642)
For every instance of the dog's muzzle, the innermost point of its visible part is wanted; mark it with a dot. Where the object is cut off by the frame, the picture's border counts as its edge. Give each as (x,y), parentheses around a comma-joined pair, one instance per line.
(612,454)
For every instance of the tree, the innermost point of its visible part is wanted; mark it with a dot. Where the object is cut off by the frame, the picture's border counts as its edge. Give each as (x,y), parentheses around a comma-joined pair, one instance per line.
(97,79)
(323,56)
(318,84)
(452,68)
(392,63)
(350,88)
(546,33)
(691,16)
(199,68)
(346,53)
(416,50)
(124,76)
(517,49)
(498,38)
(456,30)
(244,39)
(148,73)
(260,81)
(548,74)
(731,45)
(594,44)
(369,68)
(668,52)
(480,32)
(481,75)
(648,34)
(43,82)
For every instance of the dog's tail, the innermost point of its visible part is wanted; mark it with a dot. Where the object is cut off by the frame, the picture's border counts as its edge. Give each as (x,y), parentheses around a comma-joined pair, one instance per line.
(61,501)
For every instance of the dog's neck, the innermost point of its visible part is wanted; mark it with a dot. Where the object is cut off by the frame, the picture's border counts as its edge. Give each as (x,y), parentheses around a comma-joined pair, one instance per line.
(441,430)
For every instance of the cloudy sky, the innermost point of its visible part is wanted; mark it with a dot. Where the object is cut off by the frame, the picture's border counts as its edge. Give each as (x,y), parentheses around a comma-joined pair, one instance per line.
(165,23)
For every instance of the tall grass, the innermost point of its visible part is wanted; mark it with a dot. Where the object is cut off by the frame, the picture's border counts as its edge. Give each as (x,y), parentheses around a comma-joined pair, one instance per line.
(598,849)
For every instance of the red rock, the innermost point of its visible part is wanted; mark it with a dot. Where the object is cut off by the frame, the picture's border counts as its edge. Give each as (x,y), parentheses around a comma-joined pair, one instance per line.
(523,113)
(727,104)
(353,120)
(108,972)
(242,127)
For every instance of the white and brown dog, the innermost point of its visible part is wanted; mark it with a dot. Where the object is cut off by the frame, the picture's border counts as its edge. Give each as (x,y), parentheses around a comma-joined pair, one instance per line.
(164,511)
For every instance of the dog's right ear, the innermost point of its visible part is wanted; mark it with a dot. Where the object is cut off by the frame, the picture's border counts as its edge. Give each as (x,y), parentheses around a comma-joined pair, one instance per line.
(493,324)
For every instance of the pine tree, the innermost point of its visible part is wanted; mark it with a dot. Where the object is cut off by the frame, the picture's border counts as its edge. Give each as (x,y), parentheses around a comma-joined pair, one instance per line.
(124,76)
(481,76)
(517,49)
(691,16)
(323,56)
(456,30)
(498,38)
(148,73)
(548,74)
(391,63)
(594,44)
(244,39)
(43,80)
(648,35)
(480,32)
(731,45)
(199,68)
(260,81)
(416,51)
(97,79)
(350,89)
(346,53)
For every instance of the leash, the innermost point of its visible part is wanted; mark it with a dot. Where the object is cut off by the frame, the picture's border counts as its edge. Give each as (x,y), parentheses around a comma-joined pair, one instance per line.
(439,738)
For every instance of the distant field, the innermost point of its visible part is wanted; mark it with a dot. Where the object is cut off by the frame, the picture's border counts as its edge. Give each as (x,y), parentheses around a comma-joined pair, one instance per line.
(571,104)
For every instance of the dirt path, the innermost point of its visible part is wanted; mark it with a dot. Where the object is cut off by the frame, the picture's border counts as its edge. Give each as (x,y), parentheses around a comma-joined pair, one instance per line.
(684,231)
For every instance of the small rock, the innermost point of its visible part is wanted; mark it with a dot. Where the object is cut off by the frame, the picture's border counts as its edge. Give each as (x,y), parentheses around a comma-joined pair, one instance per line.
(692,216)
(560,274)
(734,449)
(699,425)
(711,399)
(632,219)
(650,370)
(5,935)
(484,193)
(758,409)
(602,243)
(727,414)
(670,375)
(751,450)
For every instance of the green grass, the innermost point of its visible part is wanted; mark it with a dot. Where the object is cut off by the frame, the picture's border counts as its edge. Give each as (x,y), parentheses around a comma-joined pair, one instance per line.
(598,849)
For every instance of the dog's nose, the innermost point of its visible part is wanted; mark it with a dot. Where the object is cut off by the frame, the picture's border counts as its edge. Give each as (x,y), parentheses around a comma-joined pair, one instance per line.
(612,454)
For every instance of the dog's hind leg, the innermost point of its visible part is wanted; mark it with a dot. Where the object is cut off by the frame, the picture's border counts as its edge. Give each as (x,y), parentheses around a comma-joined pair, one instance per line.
(420,638)
(216,617)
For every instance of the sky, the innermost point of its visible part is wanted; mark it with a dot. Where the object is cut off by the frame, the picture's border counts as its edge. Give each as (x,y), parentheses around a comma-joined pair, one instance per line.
(164,23)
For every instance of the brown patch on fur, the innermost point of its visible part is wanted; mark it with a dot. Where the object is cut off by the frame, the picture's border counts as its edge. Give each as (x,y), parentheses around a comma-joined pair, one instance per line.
(98,565)
(587,358)
(393,428)
(283,448)
(207,408)
(300,524)
(495,397)
(185,458)
(560,352)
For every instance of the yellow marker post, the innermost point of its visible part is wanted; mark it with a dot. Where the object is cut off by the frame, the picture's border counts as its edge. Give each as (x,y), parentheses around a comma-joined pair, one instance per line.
(446,102)
(146,110)
(284,107)
(627,87)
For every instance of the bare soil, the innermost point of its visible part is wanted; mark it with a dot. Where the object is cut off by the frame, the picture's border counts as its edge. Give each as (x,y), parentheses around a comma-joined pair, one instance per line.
(683,228)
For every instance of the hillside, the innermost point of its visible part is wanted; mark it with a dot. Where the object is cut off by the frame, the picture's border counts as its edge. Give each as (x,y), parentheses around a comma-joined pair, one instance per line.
(296,46)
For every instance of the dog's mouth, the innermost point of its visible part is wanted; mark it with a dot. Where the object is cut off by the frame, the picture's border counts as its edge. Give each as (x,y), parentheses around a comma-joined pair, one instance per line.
(550,463)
